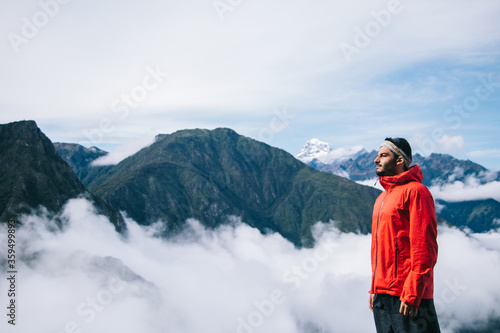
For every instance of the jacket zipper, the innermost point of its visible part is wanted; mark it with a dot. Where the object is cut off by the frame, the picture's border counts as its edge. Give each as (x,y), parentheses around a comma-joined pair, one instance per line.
(396,262)
(376,243)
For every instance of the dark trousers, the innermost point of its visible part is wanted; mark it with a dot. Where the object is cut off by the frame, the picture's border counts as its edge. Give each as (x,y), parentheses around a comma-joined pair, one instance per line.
(389,320)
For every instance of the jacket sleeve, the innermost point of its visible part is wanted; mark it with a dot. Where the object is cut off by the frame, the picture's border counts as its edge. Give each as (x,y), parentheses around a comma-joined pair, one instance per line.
(423,245)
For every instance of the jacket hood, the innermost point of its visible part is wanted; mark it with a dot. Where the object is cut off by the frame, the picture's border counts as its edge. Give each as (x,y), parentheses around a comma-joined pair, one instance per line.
(414,174)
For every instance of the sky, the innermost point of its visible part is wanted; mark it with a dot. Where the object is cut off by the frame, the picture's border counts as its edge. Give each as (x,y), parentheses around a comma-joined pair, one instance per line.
(113,74)
(85,277)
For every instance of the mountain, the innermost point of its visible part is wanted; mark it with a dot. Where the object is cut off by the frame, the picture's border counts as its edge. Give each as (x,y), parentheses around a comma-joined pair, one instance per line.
(443,168)
(437,169)
(322,152)
(211,175)
(358,168)
(34,175)
(80,160)
(476,215)
(357,164)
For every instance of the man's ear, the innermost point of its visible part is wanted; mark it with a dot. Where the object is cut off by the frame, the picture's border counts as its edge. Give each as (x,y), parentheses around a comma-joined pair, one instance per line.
(400,160)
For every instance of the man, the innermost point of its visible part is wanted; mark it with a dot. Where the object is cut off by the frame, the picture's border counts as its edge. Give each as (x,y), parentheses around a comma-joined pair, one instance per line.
(404,247)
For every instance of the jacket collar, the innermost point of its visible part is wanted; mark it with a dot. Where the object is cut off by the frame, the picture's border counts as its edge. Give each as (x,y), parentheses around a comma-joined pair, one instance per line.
(414,174)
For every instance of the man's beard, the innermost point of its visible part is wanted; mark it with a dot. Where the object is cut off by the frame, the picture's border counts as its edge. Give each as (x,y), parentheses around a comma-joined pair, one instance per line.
(384,174)
(388,170)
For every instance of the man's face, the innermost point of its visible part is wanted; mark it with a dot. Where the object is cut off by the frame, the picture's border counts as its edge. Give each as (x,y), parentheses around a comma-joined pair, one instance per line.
(386,162)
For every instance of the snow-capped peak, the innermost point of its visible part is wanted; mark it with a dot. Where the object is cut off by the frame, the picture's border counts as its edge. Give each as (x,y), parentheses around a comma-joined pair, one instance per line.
(315,149)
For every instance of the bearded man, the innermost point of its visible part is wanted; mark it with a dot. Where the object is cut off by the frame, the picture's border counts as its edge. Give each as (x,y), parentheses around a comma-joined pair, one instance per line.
(404,247)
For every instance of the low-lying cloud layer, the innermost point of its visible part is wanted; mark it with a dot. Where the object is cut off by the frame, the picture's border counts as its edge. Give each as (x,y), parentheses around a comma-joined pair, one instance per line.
(125,150)
(470,189)
(87,278)
(459,187)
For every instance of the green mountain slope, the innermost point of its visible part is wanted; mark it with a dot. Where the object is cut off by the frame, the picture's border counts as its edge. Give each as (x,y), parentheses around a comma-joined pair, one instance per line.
(477,215)
(210,175)
(34,175)
(80,160)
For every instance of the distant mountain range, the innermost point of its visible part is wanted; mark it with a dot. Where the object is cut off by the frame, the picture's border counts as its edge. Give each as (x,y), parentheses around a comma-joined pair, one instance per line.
(214,176)
(208,175)
(356,164)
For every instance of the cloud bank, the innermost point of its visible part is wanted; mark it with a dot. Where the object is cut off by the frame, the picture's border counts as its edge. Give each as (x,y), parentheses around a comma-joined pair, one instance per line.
(125,150)
(459,187)
(87,278)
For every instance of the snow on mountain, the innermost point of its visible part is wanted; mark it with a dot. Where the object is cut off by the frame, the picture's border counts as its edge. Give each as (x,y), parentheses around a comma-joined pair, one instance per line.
(316,149)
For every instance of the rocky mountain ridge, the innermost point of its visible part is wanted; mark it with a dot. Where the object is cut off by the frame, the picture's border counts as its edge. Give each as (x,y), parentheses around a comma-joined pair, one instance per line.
(210,175)
(34,175)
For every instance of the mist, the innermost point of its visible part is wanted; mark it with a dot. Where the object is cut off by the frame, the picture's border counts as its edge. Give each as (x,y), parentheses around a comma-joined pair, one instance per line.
(457,186)
(471,188)
(125,150)
(84,277)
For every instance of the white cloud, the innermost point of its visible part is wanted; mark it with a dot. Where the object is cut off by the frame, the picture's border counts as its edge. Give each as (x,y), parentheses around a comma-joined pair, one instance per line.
(439,208)
(232,279)
(233,72)
(451,143)
(482,153)
(458,275)
(472,188)
(262,54)
(125,150)
(440,143)
(490,239)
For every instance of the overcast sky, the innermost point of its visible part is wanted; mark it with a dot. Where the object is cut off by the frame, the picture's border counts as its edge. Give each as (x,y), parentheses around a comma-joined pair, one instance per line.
(105,73)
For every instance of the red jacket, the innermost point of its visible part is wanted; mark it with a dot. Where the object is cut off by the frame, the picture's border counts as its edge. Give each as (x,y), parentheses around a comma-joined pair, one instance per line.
(404,247)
